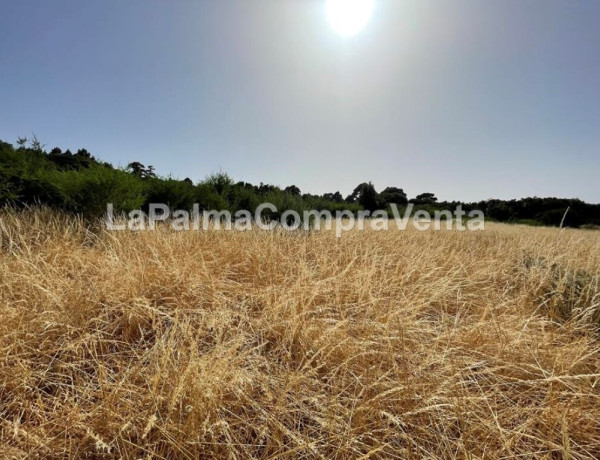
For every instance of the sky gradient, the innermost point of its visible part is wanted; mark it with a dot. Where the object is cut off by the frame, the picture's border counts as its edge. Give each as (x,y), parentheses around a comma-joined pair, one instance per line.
(467,99)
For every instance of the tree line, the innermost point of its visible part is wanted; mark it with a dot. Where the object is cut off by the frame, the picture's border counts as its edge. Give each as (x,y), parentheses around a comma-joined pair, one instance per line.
(78,182)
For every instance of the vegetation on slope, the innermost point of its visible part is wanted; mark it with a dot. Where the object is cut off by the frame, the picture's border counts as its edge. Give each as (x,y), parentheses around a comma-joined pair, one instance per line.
(78,182)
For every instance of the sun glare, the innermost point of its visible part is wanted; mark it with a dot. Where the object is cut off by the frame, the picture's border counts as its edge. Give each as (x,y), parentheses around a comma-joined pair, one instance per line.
(348,17)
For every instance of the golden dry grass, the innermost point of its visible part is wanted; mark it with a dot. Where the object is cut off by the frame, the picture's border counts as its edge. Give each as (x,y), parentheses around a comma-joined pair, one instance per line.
(269,345)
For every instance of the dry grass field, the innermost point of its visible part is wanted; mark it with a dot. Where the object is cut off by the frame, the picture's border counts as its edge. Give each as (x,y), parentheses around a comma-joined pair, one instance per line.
(437,344)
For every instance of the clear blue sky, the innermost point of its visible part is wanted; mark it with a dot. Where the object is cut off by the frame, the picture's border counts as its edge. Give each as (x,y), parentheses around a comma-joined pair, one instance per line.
(467,99)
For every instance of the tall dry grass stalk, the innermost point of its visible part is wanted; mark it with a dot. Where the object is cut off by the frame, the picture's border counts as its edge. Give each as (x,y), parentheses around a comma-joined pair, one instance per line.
(270,345)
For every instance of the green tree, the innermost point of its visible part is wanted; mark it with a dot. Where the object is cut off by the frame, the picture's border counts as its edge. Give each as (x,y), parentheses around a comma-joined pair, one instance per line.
(138,169)
(365,195)
(425,198)
(220,182)
(292,190)
(393,195)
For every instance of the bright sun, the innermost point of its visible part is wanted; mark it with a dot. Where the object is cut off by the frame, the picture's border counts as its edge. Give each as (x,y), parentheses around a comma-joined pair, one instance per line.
(348,17)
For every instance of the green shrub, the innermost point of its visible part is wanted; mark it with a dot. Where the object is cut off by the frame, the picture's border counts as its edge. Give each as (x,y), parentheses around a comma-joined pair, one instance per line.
(174,193)
(89,191)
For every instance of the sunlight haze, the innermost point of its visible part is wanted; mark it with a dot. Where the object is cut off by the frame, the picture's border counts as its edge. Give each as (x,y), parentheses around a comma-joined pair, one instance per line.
(469,100)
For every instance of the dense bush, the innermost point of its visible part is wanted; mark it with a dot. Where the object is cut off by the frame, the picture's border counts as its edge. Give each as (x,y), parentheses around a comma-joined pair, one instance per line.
(80,183)
(89,190)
